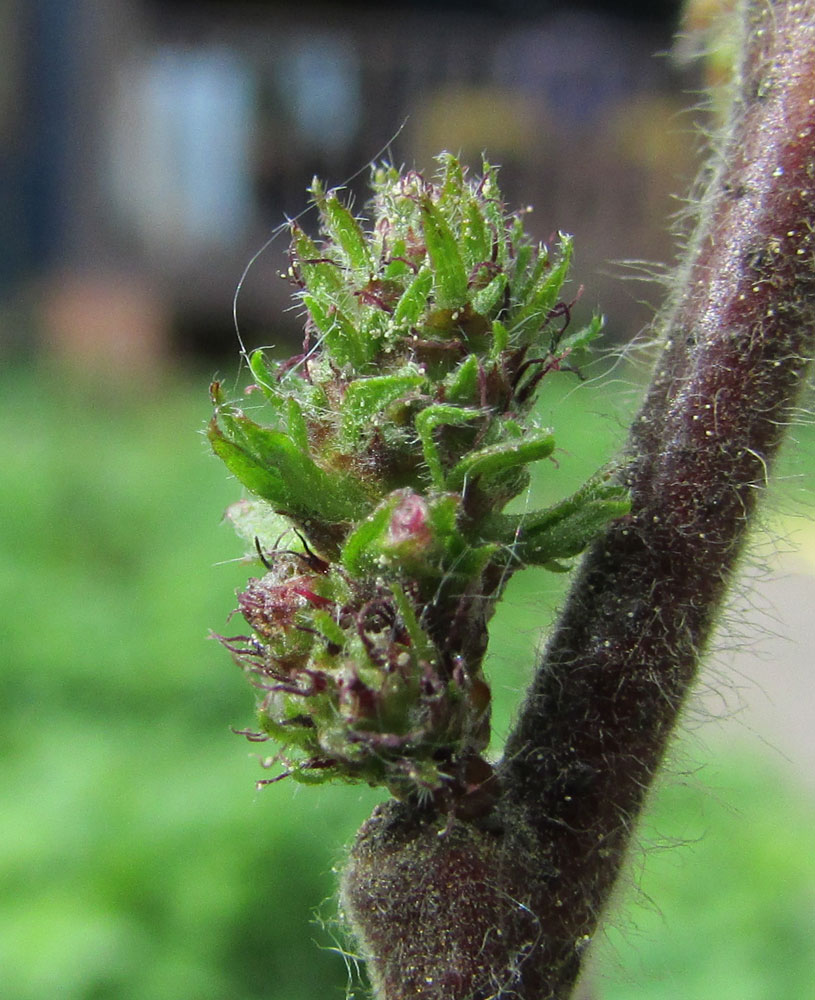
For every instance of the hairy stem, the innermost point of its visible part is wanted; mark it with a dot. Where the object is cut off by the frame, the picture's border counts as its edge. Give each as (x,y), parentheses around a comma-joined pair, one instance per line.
(629,642)
(505,906)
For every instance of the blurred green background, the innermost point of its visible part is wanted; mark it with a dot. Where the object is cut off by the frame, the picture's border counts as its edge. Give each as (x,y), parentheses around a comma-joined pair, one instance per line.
(147,149)
(137,860)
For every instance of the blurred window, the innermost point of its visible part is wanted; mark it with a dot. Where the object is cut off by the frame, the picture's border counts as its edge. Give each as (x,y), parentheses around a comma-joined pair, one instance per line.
(180,147)
(318,76)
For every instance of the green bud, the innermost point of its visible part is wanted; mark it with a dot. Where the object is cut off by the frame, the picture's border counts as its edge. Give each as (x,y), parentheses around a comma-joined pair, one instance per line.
(392,447)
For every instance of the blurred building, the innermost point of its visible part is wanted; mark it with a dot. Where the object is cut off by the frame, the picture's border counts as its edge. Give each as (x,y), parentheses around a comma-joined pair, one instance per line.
(148,149)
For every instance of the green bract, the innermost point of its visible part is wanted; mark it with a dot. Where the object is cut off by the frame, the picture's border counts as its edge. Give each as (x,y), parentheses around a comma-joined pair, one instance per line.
(396,440)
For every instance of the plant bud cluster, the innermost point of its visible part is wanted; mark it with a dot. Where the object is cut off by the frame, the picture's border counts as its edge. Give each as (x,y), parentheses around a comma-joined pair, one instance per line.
(396,439)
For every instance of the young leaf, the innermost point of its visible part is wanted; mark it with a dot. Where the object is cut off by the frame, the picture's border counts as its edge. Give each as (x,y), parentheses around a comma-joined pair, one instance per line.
(569,535)
(322,276)
(486,299)
(367,397)
(526,279)
(449,274)
(427,421)
(496,458)
(264,376)
(421,645)
(494,213)
(343,340)
(271,465)
(500,339)
(413,302)
(345,230)
(461,385)
(582,339)
(475,237)
(452,186)
(545,295)
(361,554)
(563,530)
(296,424)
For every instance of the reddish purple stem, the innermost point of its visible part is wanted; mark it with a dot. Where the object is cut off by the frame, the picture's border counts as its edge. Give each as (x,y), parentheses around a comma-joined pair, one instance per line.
(505,910)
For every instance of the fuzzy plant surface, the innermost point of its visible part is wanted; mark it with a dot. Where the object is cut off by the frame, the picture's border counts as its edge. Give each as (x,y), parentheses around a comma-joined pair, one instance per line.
(379,472)
(507,908)
(397,442)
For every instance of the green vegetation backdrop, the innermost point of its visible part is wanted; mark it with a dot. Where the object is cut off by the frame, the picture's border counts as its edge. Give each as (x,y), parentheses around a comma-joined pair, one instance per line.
(137,861)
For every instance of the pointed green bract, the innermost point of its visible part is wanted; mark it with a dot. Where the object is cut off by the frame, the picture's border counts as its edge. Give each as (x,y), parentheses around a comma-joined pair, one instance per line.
(488,462)
(347,232)
(380,477)
(543,294)
(475,238)
(341,336)
(486,299)
(366,398)
(279,470)
(321,275)
(296,424)
(461,385)
(413,302)
(564,530)
(426,423)
(449,275)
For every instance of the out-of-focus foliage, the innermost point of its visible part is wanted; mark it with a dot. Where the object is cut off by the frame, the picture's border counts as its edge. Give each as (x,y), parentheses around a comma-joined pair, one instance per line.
(136,859)
(727,909)
(137,862)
